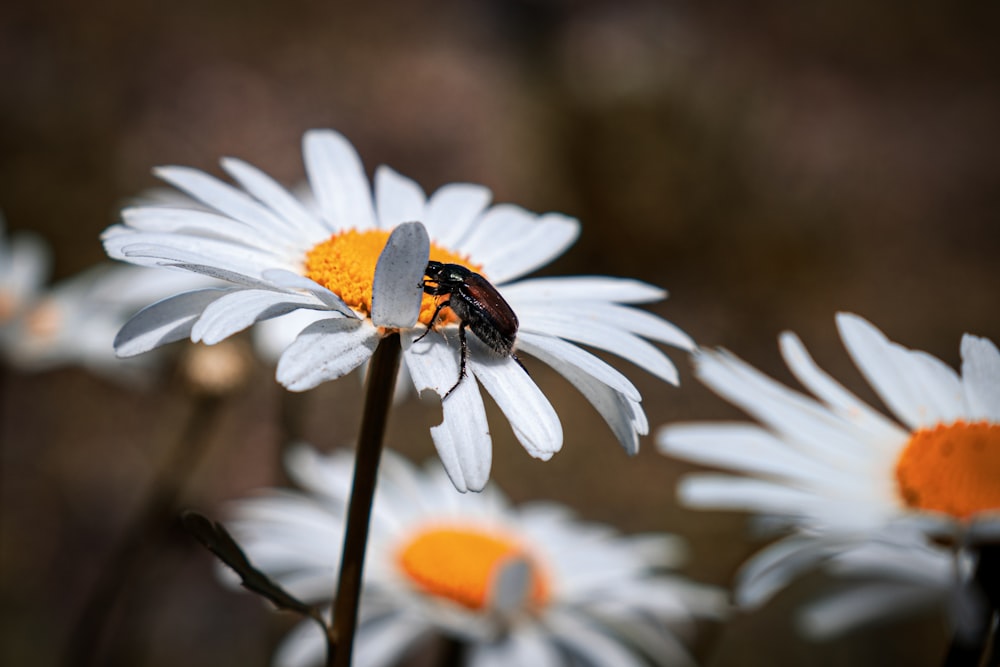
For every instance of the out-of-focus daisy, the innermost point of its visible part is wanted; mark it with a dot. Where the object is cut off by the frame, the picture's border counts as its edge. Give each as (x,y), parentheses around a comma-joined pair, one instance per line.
(24,268)
(282,255)
(75,321)
(515,586)
(849,479)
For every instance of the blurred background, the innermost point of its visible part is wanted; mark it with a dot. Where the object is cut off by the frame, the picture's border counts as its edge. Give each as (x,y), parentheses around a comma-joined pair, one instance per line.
(768,163)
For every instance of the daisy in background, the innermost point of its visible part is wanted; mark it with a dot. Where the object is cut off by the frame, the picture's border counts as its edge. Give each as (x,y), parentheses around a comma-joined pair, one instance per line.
(75,321)
(902,499)
(281,254)
(513,586)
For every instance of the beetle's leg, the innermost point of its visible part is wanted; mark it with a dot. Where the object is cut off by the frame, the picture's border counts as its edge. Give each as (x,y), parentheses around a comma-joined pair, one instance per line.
(433,290)
(461,364)
(430,325)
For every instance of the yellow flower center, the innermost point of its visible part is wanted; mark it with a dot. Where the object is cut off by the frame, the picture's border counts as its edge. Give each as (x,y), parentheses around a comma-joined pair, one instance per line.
(459,563)
(345,265)
(952,468)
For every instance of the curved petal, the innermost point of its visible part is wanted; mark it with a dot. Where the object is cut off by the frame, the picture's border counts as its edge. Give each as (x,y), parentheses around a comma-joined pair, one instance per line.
(326,350)
(774,568)
(532,417)
(452,210)
(238,310)
(397,198)
(200,224)
(848,406)
(397,290)
(509,241)
(165,321)
(463,437)
(582,288)
(338,181)
(289,210)
(222,197)
(548,348)
(602,335)
(621,412)
(885,365)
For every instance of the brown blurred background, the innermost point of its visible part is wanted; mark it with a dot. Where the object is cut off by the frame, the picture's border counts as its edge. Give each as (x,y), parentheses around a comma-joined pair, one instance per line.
(769,163)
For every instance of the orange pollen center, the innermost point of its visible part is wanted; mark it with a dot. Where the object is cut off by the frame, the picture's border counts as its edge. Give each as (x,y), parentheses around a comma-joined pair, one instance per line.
(345,265)
(460,564)
(952,468)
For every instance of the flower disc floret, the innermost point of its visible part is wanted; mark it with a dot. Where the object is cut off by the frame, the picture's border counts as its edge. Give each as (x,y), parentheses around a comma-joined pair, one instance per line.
(952,468)
(345,265)
(460,563)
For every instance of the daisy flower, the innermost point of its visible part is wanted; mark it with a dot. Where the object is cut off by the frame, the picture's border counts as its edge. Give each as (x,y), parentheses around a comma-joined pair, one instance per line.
(350,254)
(846,477)
(514,586)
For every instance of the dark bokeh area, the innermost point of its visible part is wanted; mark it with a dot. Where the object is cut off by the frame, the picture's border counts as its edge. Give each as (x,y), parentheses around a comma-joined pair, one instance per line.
(769,163)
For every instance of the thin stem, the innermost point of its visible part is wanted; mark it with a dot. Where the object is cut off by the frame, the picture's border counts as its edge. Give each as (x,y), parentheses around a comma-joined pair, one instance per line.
(981,649)
(146,529)
(382,372)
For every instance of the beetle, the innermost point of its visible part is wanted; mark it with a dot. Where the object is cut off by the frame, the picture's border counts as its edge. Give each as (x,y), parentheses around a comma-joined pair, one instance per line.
(477,304)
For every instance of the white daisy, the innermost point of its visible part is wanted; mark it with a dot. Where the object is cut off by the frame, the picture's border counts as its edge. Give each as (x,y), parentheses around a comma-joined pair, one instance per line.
(24,268)
(282,255)
(74,322)
(515,586)
(849,479)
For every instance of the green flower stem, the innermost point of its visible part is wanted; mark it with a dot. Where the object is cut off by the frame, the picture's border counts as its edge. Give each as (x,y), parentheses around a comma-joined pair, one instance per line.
(382,372)
(982,650)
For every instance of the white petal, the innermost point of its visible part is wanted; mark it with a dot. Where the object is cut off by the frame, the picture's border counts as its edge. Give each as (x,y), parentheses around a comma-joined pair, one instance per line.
(531,416)
(510,586)
(524,645)
(238,310)
(382,642)
(164,322)
(452,210)
(288,209)
(271,337)
(981,376)
(594,648)
(289,280)
(847,405)
(622,412)
(397,198)
(28,262)
(221,196)
(633,320)
(774,568)
(396,287)
(798,418)
(510,241)
(200,224)
(583,288)
(548,348)
(157,249)
(462,438)
(338,181)
(745,448)
(888,367)
(600,334)
(325,351)
(863,605)
(723,492)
